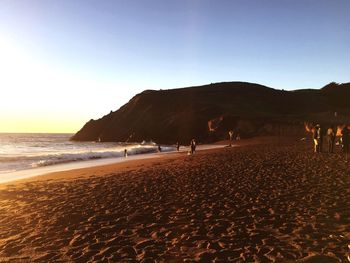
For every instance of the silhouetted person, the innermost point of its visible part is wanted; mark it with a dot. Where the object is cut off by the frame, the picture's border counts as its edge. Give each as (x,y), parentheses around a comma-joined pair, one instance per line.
(193,146)
(125,153)
(159,148)
(320,138)
(316,138)
(330,139)
(178,146)
(238,137)
(345,139)
(230,133)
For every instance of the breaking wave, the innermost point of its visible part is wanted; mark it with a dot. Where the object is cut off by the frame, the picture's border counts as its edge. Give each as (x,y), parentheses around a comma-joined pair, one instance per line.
(74,157)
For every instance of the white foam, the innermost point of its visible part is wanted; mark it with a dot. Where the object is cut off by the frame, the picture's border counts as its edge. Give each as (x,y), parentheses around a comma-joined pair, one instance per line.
(60,167)
(92,155)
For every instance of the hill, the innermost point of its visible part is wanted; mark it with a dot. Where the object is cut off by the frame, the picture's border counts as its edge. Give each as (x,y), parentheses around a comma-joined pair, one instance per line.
(208,112)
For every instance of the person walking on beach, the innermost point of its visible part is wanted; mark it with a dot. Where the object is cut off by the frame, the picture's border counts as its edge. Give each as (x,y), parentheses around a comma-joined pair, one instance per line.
(193,146)
(178,146)
(230,133)
(238,137)
(320,138)
(159,148)
(125,153)
(316,133)
(330,139)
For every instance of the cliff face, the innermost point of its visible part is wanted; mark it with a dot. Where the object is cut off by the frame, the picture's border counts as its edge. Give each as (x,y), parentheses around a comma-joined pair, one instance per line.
(208,112)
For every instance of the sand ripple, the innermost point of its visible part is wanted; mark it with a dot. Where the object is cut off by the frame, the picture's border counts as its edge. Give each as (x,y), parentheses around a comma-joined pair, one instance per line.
(264,203)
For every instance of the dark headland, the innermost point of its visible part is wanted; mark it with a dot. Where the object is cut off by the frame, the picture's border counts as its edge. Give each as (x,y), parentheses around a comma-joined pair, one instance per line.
(208,112)
(268,199)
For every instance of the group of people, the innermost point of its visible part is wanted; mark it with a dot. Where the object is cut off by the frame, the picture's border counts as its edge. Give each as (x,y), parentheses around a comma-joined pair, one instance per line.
(192,146)
(319,133)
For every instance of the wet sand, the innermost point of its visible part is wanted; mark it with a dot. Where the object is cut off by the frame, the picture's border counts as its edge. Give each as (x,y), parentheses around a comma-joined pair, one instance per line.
(273,202)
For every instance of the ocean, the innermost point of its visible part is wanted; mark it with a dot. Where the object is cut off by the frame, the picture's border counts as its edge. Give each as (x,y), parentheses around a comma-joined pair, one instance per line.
(25,153)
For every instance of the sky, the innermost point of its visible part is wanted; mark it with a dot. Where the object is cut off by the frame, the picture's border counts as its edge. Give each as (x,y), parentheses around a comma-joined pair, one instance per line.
(64,62)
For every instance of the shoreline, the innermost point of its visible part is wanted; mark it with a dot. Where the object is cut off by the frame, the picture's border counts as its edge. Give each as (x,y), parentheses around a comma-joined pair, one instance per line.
(109,165)
(60,169)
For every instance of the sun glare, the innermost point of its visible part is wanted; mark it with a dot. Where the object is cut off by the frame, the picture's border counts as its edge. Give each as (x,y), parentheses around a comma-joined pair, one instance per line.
(35,97)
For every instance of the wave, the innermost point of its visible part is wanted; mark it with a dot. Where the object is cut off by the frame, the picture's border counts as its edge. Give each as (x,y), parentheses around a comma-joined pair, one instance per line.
(93,155)
(8,159)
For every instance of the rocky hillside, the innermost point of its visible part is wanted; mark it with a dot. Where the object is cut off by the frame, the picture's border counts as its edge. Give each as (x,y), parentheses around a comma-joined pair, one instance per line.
(208,112)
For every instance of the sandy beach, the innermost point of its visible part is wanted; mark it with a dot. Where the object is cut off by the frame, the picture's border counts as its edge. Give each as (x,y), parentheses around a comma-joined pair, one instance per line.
(273,201)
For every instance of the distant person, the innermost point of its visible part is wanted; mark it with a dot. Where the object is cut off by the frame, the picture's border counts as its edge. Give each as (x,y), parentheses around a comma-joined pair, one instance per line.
(125,153)
(345,139)
(193,146)
(316,138)
(159,148)
(178,146)
(320,138)
(330,139)
(230,133)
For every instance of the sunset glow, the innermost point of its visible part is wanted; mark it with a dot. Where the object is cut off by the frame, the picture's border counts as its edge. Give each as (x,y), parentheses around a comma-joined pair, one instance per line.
(63,64)
(40,97)
(174,131)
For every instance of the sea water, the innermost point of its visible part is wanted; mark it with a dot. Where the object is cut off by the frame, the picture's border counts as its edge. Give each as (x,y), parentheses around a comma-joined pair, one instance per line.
(27,152)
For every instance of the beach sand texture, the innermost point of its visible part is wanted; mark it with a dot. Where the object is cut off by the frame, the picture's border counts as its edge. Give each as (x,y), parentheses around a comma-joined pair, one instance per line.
(257,203)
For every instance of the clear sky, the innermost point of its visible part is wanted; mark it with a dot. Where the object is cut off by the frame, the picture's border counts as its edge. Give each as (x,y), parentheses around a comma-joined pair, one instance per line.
(63,62)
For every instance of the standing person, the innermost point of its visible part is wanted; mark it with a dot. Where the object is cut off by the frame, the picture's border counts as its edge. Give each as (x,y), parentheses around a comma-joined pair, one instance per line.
(159,148)
(330,139)
(178,146)
(345,139)
(193,146)
(320,139)
(315,137)
(230,133)
(125,153)
(238,137)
